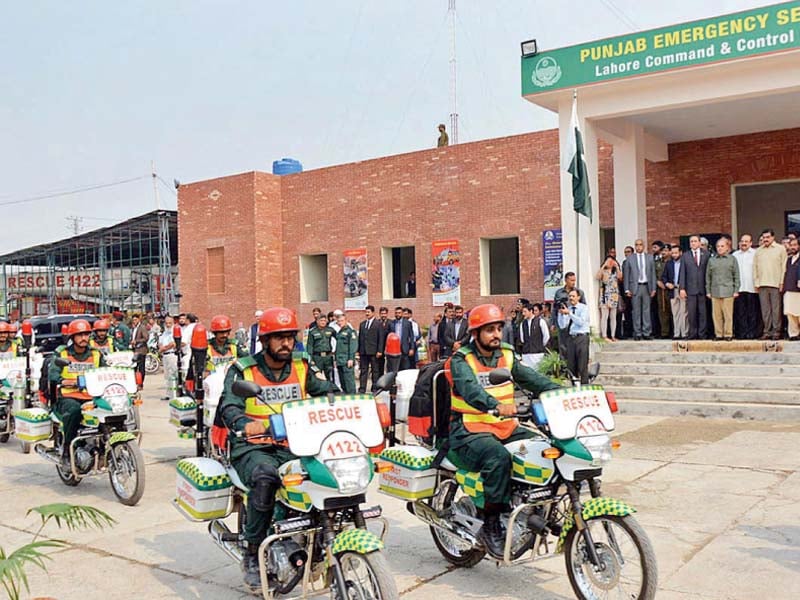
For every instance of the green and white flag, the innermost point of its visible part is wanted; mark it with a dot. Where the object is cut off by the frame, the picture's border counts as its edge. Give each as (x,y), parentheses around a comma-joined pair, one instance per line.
(581,197)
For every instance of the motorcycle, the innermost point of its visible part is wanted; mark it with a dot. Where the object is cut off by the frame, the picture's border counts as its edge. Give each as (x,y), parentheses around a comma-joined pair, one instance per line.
(107,440)
(125,359)
(19,404)
(606,551)
(152,361)
(319,538)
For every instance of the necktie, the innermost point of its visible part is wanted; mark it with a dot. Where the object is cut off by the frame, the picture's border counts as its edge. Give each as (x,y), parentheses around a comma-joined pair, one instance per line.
(641,269)
(697,257)
(527,331)
(571,321)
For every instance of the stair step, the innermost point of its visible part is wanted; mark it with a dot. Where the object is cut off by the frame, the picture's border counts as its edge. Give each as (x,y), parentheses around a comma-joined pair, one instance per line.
(671,368)
(693,394)
(733,381)
(735,410)
(732,358)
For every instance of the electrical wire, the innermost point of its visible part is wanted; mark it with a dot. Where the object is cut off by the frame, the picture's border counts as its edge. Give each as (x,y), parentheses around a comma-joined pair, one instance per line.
(72,192)
(620,15)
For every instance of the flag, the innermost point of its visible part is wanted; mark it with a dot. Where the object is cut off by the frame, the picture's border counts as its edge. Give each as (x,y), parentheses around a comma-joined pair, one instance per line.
(581,197)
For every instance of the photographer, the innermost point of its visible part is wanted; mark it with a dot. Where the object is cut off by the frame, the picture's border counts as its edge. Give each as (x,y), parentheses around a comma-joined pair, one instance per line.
(573,324)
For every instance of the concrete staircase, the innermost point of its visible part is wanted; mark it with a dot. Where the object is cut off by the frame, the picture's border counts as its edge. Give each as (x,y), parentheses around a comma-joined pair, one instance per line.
(711,379)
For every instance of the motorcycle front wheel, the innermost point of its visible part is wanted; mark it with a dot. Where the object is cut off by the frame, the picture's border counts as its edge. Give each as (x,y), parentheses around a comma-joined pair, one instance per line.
(126,472)
(629,564)
(366,577)
(151,363)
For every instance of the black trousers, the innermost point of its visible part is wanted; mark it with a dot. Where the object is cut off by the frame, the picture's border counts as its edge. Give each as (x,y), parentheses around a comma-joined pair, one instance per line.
(577,354)
(746,316)
(696,311)
(367,362)
(140,358)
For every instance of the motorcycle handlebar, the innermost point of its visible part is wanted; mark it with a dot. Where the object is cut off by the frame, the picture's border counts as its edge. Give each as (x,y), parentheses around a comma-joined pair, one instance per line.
(522,411)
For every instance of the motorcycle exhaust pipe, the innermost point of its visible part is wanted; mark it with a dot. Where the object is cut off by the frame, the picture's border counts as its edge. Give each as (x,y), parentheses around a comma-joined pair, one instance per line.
(428,515)
(47,453)
(224,538)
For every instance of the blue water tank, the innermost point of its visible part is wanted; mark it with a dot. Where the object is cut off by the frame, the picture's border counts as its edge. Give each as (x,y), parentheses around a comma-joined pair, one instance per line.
(286,166)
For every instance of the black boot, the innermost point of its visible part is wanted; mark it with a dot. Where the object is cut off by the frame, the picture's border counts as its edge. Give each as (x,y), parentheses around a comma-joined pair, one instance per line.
(252,576)
(493,535)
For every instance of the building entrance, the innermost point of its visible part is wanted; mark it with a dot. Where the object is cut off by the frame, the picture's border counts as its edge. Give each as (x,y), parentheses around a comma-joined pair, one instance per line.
(774,205)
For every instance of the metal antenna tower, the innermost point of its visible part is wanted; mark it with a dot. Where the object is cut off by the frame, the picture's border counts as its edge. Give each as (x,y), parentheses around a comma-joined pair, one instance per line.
(451,11)
(155,184)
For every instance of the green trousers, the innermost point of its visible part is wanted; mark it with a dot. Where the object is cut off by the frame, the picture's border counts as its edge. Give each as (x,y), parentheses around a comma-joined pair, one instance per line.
(69,411)
(486,454)
(325,364)
(347,378)
(258,521)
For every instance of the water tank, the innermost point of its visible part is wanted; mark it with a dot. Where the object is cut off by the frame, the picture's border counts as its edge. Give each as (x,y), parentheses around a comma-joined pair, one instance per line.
(286,166)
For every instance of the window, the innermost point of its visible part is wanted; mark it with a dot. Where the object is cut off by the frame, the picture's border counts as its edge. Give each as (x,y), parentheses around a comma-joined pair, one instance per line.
(215,270)
(399,272)
(499,266)
(313,278)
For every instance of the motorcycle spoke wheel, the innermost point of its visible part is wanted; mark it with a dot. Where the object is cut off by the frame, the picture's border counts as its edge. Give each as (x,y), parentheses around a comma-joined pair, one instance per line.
(366,577)
(127,477)
(629,568)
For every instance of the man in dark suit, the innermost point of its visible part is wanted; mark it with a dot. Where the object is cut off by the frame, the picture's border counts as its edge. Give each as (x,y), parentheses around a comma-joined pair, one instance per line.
(408,346)
(445,337)
(639,278)
(458,333)
(370,348)
(385,324)
(693,287)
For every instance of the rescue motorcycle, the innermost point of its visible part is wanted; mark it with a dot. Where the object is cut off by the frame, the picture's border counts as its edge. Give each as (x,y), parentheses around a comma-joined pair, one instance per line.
(125,359)
(319,541)
(106,441)
(556,506)
(18,394)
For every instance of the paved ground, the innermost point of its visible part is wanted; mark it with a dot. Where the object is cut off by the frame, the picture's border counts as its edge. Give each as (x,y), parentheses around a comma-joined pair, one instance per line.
(718,499)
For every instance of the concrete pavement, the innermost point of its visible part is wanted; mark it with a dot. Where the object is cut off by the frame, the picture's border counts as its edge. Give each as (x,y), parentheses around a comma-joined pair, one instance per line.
(717,497)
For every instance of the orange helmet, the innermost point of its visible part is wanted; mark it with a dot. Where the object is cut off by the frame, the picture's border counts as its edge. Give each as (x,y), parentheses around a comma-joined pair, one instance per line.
(220,323)
(484,314)
(6,327)
(277,320)
(101,325)
(78,326)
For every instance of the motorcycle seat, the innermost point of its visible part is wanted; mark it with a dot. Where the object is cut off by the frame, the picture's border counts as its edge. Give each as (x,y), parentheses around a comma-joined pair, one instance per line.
(447,464)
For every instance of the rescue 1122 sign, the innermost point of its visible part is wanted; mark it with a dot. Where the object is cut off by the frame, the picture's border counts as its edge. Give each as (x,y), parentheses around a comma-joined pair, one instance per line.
(766,30)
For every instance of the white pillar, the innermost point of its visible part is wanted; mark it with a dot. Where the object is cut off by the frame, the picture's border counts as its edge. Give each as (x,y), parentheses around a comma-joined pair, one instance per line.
(630,197)
(579,234)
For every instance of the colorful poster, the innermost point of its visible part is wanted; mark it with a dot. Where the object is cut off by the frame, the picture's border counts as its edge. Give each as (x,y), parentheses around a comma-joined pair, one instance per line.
(553,261)
(355,279)
(446,272)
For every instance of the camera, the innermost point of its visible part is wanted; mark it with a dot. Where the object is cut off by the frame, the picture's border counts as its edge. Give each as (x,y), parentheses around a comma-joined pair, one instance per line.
(562,305)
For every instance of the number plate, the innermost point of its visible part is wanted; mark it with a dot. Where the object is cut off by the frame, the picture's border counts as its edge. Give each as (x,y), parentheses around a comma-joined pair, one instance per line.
(568,408)
(310,422)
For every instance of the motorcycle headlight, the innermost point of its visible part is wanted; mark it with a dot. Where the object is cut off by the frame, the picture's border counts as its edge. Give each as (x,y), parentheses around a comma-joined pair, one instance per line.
(599,446)
(118,404)
(351,474)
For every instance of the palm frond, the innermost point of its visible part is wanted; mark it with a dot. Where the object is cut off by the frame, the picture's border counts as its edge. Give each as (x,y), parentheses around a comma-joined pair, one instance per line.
(12,566)
(73,516)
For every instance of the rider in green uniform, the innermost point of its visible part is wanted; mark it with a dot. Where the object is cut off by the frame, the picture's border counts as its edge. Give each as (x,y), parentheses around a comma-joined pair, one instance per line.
(346,347)
(320,346)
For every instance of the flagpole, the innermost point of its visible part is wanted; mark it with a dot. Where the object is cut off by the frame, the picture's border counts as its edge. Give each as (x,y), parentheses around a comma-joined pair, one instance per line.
(577,216)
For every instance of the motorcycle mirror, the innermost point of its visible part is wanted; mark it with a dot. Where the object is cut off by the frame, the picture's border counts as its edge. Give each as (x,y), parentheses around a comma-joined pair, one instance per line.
(61,362)
(386,381)
(594,371)
(499,376)
(245,389)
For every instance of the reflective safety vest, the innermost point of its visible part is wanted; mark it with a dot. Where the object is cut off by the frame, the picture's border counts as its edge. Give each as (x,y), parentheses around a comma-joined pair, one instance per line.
(474,420)
(11,351)
(275,393)
(106,348)
(214,359)
(70,373)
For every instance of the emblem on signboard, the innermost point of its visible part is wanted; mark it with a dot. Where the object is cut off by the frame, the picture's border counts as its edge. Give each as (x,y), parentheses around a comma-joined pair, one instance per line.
(546,72)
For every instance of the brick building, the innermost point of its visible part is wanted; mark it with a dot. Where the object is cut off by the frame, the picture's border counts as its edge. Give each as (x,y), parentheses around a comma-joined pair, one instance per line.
(242,236)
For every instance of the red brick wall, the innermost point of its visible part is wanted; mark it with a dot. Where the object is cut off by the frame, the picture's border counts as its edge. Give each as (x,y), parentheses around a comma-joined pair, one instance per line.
(492,188)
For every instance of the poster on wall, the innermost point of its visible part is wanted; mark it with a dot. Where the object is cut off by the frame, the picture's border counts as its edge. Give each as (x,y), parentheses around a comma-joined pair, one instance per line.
(553,262)
(355,279)
(446,272)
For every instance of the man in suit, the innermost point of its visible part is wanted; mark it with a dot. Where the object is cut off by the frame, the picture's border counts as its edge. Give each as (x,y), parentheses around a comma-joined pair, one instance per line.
(386,329)
(639,278)
(693,287)
(370,348)
(139,338)
(402,327)
(252,335)
(457,333)
(445,337)
(532,334)
(671,280)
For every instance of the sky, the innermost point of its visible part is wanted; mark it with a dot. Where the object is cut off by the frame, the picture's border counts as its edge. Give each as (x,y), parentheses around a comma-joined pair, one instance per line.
(93,92)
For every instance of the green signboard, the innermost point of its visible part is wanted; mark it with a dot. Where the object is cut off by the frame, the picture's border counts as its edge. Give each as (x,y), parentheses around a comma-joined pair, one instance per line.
(754,32)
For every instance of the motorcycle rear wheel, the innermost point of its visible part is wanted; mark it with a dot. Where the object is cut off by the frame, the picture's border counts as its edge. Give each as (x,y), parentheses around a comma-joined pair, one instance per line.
(4,437)
(366,577)
(151,363)
(25,447)
(127,479)
(626,550)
